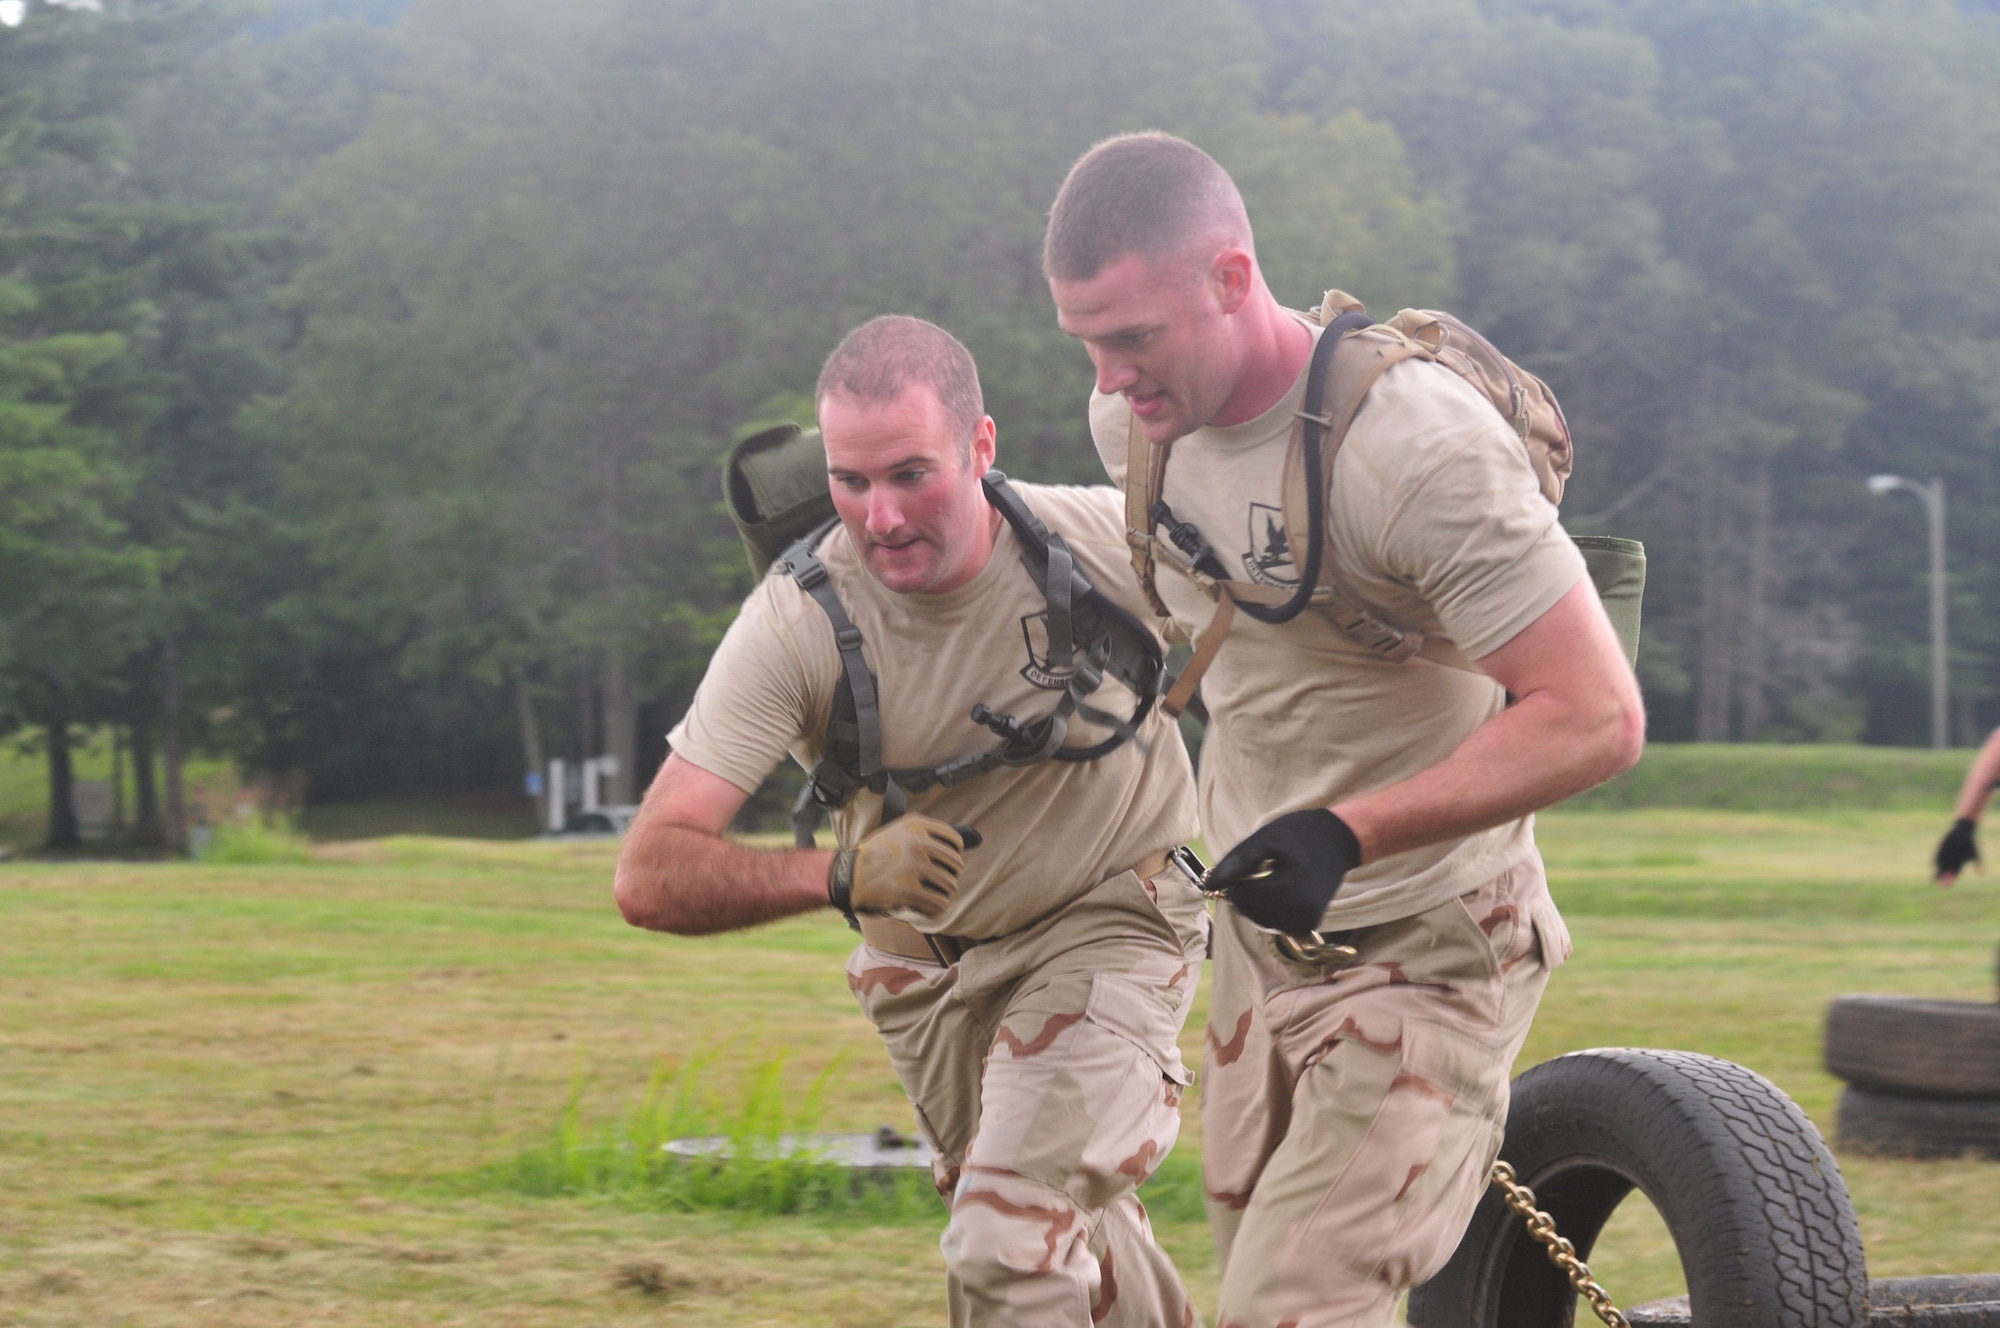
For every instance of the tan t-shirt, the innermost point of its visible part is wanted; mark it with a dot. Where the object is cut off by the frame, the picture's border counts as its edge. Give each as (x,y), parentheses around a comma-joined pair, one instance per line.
(1053,829)
(1439,525)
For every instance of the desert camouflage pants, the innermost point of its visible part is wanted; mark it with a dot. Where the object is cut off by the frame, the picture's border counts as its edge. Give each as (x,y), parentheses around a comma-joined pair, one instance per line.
(1044,1071)
(1350,1115)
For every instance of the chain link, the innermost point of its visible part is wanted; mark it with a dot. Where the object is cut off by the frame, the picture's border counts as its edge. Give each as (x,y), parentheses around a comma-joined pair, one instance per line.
(1561,1253)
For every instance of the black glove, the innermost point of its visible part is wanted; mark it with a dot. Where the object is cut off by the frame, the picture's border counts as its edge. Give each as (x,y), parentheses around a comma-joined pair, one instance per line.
(1957,848)
(1283,875)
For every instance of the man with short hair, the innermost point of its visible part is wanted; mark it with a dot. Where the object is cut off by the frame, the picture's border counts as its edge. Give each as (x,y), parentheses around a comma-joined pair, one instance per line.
(1356,1080)
(1029,982)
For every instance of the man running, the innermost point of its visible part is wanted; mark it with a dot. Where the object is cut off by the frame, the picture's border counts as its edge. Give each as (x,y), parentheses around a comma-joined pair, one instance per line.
(1356,1081)
(1029,987)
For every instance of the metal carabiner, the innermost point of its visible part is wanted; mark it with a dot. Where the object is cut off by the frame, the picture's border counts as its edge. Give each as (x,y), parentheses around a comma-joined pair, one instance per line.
(1309,948)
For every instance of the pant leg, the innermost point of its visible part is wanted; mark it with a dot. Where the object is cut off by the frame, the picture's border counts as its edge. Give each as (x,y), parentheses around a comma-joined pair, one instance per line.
(1394,1088)
(1079,1103)
(935,1043)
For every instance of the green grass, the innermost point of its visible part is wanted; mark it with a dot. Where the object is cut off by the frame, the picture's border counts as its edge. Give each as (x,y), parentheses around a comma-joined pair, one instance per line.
(277,1093)
(1783,778)
(258,839)
(626,1156)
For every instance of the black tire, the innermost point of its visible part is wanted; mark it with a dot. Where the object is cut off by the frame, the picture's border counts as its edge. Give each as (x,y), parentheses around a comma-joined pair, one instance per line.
(1754,1200)
(1897,1044)
(1969,1301)
(1890,1125)
(1972,1301)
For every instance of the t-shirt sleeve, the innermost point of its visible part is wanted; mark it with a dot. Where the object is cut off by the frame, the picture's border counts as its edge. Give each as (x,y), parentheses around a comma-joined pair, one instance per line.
(756,704)
(1476,540)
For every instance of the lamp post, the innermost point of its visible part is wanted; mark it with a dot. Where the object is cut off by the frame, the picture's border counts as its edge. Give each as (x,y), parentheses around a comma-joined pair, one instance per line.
(1933,497)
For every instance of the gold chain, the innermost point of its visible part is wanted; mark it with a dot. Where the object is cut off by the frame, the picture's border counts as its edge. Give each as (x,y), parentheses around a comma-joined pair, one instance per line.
(1561,1253)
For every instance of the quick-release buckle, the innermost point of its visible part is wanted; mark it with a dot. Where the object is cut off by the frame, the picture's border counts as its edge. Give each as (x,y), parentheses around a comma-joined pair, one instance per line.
(1315,947)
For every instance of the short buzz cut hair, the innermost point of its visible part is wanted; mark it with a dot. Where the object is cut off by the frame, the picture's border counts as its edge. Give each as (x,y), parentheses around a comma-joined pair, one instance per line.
(879,360)
(1149,194)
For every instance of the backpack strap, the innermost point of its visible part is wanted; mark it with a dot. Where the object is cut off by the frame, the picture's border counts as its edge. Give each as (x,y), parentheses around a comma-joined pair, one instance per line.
(1371,352)
(1336,386)
(1118,644)
(1089,633)
(1145,476)
(853,756)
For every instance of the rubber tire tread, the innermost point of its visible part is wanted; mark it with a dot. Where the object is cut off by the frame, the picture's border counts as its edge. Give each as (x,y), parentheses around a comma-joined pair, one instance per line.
(1916,1048)
(1754,1199)
(1891,1125)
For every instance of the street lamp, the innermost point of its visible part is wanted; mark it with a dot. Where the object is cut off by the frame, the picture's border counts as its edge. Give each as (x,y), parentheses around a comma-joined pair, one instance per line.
(1933,496)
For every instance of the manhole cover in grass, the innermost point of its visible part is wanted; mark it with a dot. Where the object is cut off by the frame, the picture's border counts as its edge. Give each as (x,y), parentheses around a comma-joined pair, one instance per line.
(884,1150)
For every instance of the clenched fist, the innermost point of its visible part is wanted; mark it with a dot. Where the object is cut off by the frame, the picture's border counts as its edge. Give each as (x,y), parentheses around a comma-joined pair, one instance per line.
(1958,850)
(910,865)
(1284,874)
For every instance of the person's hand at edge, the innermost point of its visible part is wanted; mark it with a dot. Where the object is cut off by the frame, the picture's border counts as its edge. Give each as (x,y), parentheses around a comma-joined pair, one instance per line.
(1284,874)
(1959,847)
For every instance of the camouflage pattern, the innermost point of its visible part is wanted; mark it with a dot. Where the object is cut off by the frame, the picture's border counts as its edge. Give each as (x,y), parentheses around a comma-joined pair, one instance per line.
(1350,1114)
(1044,1071)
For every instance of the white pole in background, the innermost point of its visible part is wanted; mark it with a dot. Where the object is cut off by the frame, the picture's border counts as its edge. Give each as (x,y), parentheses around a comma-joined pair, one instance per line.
(1932,495)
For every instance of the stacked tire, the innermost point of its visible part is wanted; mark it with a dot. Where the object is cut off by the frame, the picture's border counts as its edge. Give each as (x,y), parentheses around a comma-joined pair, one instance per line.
(1923,1077)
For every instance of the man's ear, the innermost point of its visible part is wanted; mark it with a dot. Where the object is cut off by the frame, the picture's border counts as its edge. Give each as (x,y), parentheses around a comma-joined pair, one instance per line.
(985,444)
(1231,277)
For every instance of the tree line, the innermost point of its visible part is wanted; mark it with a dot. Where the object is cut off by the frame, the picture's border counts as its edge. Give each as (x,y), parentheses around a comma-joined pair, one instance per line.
(364,364)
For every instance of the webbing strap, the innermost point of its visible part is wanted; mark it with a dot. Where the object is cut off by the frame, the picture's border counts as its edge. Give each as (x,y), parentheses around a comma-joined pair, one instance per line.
(1120,645)
(1145,477)
(1056,588)
(1316,439)
(1205,650)
(811,575)
(1308,435)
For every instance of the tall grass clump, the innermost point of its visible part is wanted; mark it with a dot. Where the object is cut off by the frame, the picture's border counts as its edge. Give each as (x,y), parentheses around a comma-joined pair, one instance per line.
(261,839)
(625,1156)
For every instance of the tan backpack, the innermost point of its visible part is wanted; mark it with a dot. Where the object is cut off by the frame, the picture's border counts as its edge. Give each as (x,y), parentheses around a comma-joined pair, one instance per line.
(1351,354)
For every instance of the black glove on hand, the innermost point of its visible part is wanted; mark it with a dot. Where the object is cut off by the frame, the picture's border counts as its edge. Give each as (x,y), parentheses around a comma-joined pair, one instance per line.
(1307,853)
(1956,849)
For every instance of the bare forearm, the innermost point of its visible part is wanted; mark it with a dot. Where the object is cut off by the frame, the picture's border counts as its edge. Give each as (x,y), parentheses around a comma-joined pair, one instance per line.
(672,878)
(1980,779)
(1531,755)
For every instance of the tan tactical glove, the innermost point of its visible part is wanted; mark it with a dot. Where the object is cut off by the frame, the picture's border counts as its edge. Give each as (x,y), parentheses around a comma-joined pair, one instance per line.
(910,865)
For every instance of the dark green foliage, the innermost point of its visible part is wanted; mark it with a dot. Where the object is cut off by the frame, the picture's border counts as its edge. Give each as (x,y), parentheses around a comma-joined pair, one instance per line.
(1756,248)
(369,362)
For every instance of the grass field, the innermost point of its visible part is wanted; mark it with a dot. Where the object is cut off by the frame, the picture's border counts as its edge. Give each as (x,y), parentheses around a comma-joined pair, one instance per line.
(263,1095)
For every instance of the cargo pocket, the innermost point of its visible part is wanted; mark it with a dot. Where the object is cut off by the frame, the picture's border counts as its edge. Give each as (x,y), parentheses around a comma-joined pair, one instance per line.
(1410,1180)
(1131,1076)
(1551,931)
(1141,1018)
(1433,1205)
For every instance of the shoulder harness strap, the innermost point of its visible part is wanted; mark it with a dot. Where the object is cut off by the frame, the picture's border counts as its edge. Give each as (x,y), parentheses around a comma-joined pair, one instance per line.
(1336,385)
(1089,634)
